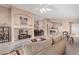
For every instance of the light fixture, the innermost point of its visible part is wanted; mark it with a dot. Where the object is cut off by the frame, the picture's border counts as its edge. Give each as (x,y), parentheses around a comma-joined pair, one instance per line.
(43,9)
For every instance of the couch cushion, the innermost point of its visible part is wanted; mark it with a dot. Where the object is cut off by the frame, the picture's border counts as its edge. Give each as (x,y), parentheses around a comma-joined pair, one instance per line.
(35,47)
(34,40)
(27,49)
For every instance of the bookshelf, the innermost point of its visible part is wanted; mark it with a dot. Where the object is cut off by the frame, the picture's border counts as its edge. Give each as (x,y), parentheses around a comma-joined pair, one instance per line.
(4,34)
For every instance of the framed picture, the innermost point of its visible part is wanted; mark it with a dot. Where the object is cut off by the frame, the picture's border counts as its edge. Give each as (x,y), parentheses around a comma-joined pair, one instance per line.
(23,20)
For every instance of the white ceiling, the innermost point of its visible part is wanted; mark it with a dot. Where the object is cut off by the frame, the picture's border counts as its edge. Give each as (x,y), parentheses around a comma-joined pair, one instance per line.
(56,10)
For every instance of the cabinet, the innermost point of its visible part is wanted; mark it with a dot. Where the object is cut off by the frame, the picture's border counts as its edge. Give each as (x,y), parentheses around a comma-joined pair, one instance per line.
(23,27)
(39,28)
(23,34)
(4,34)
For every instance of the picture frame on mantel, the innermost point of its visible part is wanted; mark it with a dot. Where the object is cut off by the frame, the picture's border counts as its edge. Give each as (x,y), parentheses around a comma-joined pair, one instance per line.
(23,20)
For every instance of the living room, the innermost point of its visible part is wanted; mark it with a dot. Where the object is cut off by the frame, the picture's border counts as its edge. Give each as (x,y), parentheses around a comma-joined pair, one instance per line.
(39,29)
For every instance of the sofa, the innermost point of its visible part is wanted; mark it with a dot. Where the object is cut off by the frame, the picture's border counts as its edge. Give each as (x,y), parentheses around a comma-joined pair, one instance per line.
(36,47)
(44,47)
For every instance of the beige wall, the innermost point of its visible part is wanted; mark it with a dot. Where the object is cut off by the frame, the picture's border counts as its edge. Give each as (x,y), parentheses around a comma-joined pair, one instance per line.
(5,16)
(16,11)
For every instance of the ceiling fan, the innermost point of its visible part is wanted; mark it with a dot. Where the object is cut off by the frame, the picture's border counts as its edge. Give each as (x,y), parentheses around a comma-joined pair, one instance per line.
(43,8)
